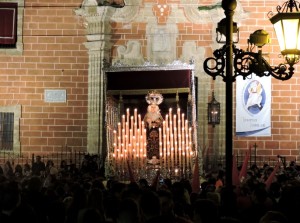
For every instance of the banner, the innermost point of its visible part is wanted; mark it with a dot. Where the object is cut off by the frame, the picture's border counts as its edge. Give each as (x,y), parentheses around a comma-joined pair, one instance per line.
(253,106)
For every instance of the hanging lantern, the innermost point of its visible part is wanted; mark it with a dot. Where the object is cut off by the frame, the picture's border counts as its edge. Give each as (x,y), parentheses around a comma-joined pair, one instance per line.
(213,111)
(287,27)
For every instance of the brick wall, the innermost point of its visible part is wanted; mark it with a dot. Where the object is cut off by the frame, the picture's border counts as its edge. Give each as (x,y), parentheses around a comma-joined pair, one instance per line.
(53,58)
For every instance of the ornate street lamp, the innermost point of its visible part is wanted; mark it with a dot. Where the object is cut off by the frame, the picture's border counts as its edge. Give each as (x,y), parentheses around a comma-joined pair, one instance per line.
(213,111)
(287,28)
(245,63)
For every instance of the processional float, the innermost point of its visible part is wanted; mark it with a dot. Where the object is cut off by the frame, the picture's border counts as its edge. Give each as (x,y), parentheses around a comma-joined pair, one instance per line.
(141,146)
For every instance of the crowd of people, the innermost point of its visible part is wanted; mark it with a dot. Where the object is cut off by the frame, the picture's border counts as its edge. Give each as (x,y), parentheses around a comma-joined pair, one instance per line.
(44,193)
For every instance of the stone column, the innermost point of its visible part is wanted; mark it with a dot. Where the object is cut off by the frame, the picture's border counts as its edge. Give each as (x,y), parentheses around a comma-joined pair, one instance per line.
(96,20)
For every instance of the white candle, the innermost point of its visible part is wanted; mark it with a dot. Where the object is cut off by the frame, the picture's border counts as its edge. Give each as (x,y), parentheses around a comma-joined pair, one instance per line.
(127,113)
(160,142)
(123,121)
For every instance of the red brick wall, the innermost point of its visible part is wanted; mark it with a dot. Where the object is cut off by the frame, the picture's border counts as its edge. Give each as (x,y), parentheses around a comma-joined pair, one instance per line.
(285,105)
(54,57)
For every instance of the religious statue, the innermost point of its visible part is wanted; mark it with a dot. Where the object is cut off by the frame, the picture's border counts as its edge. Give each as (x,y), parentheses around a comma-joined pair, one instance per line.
(153,121)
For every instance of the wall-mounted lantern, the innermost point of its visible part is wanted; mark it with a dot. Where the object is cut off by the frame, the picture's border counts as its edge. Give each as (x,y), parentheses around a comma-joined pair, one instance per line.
(213,111)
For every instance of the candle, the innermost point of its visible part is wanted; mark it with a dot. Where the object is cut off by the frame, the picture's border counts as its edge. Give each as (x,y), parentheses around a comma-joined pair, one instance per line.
(172,151)
(190,146)
(141,151)
(115,148)
(135,115)
(183,160)
(160,142)
(127,113)
(167,122)
(165,157)
(179,149)
(168,154)
(123,121)
(170,112)
(131,123)
(144,147)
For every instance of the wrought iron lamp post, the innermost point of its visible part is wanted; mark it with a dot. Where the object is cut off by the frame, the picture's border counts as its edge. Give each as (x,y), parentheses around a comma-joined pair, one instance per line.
(245,63)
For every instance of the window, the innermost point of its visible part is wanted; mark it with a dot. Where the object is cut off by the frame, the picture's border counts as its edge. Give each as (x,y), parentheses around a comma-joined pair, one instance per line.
(11,23)
(8,24)
(7,131)
(9,128)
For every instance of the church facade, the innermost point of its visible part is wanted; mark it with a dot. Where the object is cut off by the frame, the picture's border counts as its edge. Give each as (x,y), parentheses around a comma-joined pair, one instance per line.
(56,79)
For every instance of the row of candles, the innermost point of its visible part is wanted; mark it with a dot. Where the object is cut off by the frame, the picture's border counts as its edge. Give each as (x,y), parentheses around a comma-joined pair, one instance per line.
(130,142)
(175,142)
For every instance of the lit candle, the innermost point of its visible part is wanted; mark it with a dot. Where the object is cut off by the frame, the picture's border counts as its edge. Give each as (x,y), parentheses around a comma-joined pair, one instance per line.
(119,147)
(167,122)
(160,142)
(131,123)
(172,151)
(183,160)
(127,113)
(130,136)
(170,112)
(138,139)
(165,157)
(164,142)
(168,151)
(140,121)
(141,151)
(168,147)
(127,144)
(179,147)
(182,144)
(123,122)
(190,146)
(114,154)
(144,147)
(135,115)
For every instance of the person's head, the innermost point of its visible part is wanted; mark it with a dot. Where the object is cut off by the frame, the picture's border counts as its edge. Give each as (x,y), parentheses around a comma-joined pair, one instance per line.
(128,211)
(166,201)
(273,217)
(205,211)
(90,215)
(149,204)
(38,158)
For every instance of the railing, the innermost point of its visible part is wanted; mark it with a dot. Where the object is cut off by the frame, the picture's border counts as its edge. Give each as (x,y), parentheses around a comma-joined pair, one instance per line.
(74,158)
(209,162)
(212,161)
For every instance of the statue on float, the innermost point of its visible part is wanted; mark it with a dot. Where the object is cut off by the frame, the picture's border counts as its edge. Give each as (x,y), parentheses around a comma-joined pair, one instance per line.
(153,121)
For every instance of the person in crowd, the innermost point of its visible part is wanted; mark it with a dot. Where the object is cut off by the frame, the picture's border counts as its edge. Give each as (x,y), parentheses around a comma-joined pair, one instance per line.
(205,211)
(273,216)
(168,208)
(128,211)
(49,166)
(27,169)
(18,171)
(8,169)
(38,167)
(13,208)
(150,207)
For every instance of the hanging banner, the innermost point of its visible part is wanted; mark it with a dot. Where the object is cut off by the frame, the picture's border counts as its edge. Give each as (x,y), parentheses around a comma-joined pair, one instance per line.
(253,106)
